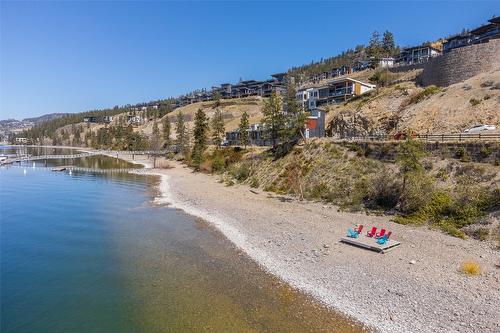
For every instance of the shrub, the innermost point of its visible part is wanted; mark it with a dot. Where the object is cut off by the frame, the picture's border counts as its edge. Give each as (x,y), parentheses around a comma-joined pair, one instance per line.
(485,152)
(496,86)
(206,166)
(462,154)
(487,83)
(384,191)
(384,77)
(218,162)
(254,182)
(241,172)
(474,101)
(318,191)
(420,96)
(470,268)
(442,174)
(480,233)
(466,87)
(415,193)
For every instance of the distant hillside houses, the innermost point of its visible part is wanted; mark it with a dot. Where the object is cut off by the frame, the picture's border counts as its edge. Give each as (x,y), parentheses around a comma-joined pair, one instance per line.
(238,90)
(98,120)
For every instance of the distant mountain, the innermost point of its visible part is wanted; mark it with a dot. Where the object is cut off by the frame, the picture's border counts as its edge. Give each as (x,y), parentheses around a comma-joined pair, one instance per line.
(45,117)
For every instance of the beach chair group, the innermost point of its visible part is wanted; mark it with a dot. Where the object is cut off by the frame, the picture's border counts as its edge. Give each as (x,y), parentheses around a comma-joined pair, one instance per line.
(381,237)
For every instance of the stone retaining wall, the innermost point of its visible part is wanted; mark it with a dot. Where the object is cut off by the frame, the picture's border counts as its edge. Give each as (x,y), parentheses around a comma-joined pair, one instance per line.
(458,65)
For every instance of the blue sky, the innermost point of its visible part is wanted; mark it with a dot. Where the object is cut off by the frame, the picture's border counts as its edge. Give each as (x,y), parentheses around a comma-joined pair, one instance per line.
(77,56)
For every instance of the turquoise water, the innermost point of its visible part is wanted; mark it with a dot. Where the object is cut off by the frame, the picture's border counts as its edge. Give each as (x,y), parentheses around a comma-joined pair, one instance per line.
(91,253)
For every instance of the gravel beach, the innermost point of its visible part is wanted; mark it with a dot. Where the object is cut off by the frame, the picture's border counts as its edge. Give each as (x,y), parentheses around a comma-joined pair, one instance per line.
(415,288)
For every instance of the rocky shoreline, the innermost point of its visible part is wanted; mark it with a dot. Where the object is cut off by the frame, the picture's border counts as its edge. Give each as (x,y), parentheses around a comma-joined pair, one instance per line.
(415,288)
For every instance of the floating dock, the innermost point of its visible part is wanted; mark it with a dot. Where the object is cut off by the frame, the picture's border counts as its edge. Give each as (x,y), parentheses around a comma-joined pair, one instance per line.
(371,243)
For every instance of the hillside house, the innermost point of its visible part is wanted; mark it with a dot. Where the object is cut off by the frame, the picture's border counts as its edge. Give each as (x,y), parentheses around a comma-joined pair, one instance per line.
(256,136)
(482,34)
(417,54)
(134,120)
(315,124)
(90,120)
(335,91)
(107,119)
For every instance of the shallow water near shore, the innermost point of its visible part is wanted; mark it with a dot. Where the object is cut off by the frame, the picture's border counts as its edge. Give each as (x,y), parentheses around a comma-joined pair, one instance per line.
(91,253)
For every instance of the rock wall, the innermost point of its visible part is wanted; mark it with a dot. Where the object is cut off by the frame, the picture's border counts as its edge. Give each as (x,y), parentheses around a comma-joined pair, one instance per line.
(458,65)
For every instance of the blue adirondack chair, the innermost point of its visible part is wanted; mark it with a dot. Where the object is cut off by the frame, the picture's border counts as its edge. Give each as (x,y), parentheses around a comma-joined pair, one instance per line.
(351,233)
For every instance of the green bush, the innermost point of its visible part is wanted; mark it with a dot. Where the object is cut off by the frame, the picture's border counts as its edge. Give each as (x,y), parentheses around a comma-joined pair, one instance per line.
(485,152)
(474,101)
(420,96)
(384,191)
(254,182)
(241,172)
(462,154)
(487,83)
(218,162)
(415,192)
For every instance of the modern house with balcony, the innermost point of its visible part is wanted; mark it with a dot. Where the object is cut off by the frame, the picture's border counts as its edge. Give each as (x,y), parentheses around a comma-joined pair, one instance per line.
(335,91)
(417,54)
(482,34)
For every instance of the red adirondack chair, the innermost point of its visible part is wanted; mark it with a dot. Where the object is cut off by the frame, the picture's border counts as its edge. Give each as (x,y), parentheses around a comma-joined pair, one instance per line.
(388,235)
(372,232)
(358,228)
(380,234)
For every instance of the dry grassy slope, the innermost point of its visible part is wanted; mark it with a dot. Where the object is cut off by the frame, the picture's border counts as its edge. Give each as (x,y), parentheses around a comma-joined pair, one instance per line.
(232,109)
(450,110)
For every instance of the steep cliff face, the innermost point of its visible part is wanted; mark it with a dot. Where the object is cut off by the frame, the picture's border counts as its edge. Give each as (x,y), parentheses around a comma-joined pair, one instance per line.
(403,105)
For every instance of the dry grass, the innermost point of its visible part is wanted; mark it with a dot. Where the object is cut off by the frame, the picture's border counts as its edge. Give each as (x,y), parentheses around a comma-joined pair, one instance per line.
(162,164)
(470,268)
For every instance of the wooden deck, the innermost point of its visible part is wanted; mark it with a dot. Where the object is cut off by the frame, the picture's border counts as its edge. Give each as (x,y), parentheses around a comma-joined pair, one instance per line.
(370,243)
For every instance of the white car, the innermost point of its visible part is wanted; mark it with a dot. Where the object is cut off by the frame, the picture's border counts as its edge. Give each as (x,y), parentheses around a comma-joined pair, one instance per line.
(479,128)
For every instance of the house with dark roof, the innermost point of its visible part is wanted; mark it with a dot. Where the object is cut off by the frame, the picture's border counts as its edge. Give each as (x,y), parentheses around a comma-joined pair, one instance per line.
(417,54)
(482,34)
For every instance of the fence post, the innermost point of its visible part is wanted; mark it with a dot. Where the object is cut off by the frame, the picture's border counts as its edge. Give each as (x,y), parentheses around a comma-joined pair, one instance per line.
(442,137)
(459,137)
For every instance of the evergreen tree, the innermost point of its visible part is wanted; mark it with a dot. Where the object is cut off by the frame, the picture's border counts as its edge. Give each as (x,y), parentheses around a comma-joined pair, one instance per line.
(182,135)
(218,130)
(388,44)
(155,137)
(216,98)
(166,132)
(273,119)
(200,137)
(244,139)
(295,116)
(374,46)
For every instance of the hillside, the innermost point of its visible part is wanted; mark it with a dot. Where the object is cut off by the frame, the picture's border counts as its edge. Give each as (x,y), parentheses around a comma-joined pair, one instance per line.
(232,110)
(399,104)
(45,117)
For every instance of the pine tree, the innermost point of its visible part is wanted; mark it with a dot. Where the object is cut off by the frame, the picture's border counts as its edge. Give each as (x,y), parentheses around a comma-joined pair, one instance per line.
(216,98)
(166,132)
(388,44)
(295,116)
(273,119)
(374,46)
(244,139)
(182,135)
(200,137)
(218,130)
(155,138)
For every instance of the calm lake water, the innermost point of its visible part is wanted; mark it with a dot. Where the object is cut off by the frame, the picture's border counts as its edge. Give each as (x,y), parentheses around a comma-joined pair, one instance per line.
(90,253)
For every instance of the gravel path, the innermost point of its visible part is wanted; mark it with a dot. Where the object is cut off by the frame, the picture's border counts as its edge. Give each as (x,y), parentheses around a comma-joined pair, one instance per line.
(415,288)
